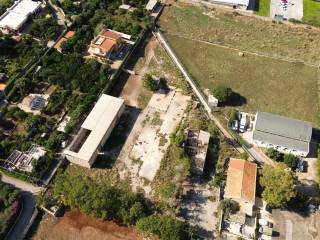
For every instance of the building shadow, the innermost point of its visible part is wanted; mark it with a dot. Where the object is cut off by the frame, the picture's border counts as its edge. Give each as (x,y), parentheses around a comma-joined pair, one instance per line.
(112,148)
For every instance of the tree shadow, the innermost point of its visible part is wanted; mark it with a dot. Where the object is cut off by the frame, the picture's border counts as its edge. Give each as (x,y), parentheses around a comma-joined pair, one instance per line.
(117,138)
(235,100)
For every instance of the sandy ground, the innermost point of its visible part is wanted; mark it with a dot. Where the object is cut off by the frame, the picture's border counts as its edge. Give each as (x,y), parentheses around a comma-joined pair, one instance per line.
(148,149)
(198,209)
(77,226)
(134,85)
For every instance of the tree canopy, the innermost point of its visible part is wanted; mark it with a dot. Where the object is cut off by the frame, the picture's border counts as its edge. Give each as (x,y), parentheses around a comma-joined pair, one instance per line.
(278,184)
(222,93)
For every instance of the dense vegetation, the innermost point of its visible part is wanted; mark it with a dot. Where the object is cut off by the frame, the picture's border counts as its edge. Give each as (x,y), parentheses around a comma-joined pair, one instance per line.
(8,206)
(289,159)
(167,228)
(115,203)
(278,185)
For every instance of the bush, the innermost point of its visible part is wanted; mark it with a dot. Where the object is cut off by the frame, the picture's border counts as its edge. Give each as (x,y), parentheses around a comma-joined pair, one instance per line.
(274,154)
(222,93)
(149,83)
(166,227)
(290,160)
(244,155)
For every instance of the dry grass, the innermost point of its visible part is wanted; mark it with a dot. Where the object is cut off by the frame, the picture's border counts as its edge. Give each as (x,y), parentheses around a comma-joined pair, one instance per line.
(243,32)
(262,84)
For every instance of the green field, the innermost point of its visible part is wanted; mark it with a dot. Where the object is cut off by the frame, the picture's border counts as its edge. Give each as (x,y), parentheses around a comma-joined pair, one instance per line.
(263,7)
(311,12)
(264,84)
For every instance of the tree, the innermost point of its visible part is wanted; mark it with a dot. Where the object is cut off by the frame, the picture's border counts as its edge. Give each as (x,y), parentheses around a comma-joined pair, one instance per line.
(278,184)
(166,227)
(149,83)
(222,93)
(290,160)
(274,154)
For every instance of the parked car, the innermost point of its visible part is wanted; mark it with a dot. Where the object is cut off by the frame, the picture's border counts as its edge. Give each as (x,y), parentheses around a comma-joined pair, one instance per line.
(301,166)
(265,223)
(235,125)
(243,123)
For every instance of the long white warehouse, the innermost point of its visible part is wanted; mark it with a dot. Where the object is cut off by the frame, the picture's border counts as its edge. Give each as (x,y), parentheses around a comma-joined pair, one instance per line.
(95,131)
(16,16)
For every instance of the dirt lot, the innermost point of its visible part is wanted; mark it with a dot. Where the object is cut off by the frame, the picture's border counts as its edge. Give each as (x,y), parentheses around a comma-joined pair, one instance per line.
(75,225)
(292,226)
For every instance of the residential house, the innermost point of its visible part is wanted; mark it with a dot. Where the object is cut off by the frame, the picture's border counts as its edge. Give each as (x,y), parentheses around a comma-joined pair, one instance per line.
(241,184)
(104,44)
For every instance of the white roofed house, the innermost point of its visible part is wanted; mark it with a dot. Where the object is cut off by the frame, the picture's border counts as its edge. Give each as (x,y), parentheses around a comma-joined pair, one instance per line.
(284,134)
(95,131)
(151,5)
(17,15)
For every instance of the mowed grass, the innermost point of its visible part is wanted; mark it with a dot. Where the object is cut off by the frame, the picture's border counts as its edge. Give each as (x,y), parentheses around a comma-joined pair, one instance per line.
(263,7)
(280,87)
(311,12)
(242,32)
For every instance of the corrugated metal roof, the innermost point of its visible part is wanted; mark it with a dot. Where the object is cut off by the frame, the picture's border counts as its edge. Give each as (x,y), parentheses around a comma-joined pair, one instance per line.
(282,131)
(99,121)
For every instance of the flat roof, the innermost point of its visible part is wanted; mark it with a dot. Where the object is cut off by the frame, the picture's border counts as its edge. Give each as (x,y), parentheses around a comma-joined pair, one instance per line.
(98,123)
(151,4)
(233,2)
(282,131)
(17,14)
(13,20)
(241,180)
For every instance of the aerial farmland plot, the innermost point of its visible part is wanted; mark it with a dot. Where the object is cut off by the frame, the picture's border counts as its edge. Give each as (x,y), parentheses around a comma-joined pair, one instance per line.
(261,61)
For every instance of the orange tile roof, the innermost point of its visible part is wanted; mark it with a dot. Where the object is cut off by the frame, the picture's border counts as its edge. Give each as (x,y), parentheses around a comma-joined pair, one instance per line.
(241,180)
(65,38)
(111,35)
(2,86)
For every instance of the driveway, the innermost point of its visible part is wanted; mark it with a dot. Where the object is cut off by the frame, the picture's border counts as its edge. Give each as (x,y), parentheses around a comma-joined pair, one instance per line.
(287,8)
(17,230)
(20,184)
(292,226)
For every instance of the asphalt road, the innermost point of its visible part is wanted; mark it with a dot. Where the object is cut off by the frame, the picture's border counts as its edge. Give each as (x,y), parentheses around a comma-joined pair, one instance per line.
(23,219)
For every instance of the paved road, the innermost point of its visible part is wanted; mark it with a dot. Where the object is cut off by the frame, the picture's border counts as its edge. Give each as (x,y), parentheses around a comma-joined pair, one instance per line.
(21,184)
(28,205)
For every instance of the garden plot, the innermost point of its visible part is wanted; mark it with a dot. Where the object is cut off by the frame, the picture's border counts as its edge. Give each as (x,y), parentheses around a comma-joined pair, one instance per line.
(166,111)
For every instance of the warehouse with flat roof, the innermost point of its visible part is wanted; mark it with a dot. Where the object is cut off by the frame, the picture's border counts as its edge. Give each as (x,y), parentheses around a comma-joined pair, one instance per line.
(282,133)
(95,131)
(17,15)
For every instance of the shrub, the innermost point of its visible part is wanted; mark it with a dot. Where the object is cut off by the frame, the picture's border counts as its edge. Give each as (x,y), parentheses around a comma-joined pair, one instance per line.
(166,227)
(244,155)
(149,83)
(274,154)
(290,160)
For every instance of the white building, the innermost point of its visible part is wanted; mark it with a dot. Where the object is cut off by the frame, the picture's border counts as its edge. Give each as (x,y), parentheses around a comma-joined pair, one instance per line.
(17,15)
(151,5)
(95,131)
(243,4)
(284,134)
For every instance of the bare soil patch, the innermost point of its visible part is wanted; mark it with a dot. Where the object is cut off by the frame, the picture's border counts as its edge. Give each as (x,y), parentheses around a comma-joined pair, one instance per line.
(76,225)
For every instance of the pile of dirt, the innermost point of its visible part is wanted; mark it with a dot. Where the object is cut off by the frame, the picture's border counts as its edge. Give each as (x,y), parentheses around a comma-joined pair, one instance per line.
(76,225)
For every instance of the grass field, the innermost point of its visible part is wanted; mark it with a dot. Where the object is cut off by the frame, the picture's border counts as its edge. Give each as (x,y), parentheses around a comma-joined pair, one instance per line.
(263,7)
(264,84)
(243,32)
(311,12)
